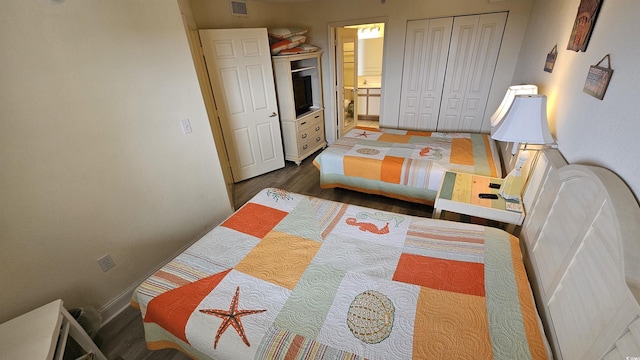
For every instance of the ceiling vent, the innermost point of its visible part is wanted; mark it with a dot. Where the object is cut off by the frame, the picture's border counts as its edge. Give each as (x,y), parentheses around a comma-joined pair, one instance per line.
(239,8)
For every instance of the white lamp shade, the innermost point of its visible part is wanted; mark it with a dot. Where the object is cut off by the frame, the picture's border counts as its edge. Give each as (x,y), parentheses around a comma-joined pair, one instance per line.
(525,122)
(512,91)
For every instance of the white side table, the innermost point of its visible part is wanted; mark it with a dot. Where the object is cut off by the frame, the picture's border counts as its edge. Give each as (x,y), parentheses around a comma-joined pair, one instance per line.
(459,193)
(42,334)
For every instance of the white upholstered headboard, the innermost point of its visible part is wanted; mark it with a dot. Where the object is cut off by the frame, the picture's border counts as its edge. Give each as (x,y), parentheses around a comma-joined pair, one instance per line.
(582,239)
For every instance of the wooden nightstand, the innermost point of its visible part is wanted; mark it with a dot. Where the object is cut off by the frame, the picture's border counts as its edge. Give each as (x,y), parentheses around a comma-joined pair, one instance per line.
(459,193)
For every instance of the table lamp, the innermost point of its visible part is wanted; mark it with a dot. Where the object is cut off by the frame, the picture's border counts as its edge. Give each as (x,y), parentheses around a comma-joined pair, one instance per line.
(524,122)
(512,91)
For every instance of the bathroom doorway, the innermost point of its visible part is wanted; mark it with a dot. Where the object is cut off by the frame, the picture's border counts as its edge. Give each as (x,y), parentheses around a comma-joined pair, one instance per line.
(358,75)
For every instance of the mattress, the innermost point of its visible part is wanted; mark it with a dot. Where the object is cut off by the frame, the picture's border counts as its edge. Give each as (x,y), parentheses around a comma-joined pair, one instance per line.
(404,164)
(295,277)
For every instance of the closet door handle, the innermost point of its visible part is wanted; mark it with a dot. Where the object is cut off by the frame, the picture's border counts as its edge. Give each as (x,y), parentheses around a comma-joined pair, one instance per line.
(273,114)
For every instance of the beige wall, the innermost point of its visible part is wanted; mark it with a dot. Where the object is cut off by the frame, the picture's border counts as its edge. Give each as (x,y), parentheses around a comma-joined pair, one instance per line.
(317,15)
(588,130)
(216,14)
(92,156)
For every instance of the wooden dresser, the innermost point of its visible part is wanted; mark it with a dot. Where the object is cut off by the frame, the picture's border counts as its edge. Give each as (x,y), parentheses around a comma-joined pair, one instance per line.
(302,134)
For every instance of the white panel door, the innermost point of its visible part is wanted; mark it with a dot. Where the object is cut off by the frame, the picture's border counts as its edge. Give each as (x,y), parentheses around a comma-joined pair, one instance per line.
(473,53)
(239,67)
(347,86)
(425,61)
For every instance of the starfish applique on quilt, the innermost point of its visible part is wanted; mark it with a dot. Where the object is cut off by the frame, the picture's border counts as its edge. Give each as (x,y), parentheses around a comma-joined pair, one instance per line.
(231,317)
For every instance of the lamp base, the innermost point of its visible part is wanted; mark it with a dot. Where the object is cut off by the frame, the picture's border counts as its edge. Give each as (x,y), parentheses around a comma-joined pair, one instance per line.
(511,186)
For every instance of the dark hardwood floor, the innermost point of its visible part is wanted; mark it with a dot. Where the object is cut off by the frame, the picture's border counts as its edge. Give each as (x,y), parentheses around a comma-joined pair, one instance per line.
(123,337)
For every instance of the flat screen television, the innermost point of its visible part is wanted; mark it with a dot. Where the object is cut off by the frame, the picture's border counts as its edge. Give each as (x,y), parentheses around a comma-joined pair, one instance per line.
(302,94)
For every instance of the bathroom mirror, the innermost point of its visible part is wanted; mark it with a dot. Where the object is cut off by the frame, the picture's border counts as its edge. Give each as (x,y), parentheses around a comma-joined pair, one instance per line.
(370,56)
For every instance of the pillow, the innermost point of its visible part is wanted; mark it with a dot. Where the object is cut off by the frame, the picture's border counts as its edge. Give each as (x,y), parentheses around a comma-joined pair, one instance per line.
(284,33)
(292,51)
(308,47)
(300,49)
(289,43)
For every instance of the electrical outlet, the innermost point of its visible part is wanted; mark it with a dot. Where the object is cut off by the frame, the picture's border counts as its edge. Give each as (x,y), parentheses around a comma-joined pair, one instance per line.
(106,263)
(186,126)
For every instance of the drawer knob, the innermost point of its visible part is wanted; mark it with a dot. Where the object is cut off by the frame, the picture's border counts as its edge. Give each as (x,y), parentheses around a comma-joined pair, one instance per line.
(317,128)
(305,147)
(318,138)
(304,136)
(302,123)
(317,116)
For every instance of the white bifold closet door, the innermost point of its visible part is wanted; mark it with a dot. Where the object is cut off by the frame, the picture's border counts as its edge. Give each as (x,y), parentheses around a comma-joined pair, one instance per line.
(425,61)
(448,70)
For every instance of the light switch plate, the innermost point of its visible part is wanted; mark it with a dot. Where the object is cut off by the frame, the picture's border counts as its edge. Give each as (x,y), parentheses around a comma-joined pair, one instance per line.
(186,126)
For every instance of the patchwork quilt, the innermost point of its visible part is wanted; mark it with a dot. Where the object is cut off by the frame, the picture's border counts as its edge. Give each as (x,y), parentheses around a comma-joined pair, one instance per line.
(404,164)
(296,277)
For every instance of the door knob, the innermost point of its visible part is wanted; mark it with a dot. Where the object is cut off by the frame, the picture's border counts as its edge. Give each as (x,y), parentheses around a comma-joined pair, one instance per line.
(273,114)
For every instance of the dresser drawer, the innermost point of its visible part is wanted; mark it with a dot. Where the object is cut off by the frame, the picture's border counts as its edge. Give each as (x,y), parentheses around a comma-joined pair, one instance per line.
(303,136)
(314,130)
(310,143)
(309,120)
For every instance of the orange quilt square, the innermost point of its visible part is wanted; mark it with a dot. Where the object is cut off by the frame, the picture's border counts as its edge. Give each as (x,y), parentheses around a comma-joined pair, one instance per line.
(391,169)
(449,275)
(279,258)
(362,167)
(461,151)
(395,138)
(419,133)
(255,219)
(439,314)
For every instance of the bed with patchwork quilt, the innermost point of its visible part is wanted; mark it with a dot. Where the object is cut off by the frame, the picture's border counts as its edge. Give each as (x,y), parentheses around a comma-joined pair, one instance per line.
(296,277)
(404,164)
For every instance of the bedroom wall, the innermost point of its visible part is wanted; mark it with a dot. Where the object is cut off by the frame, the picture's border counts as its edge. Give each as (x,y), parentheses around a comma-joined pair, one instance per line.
(92,153)
(216,14)
(588,130)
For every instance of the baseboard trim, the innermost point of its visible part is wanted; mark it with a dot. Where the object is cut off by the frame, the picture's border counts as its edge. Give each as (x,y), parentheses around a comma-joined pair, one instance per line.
(113,308)
(121,302)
